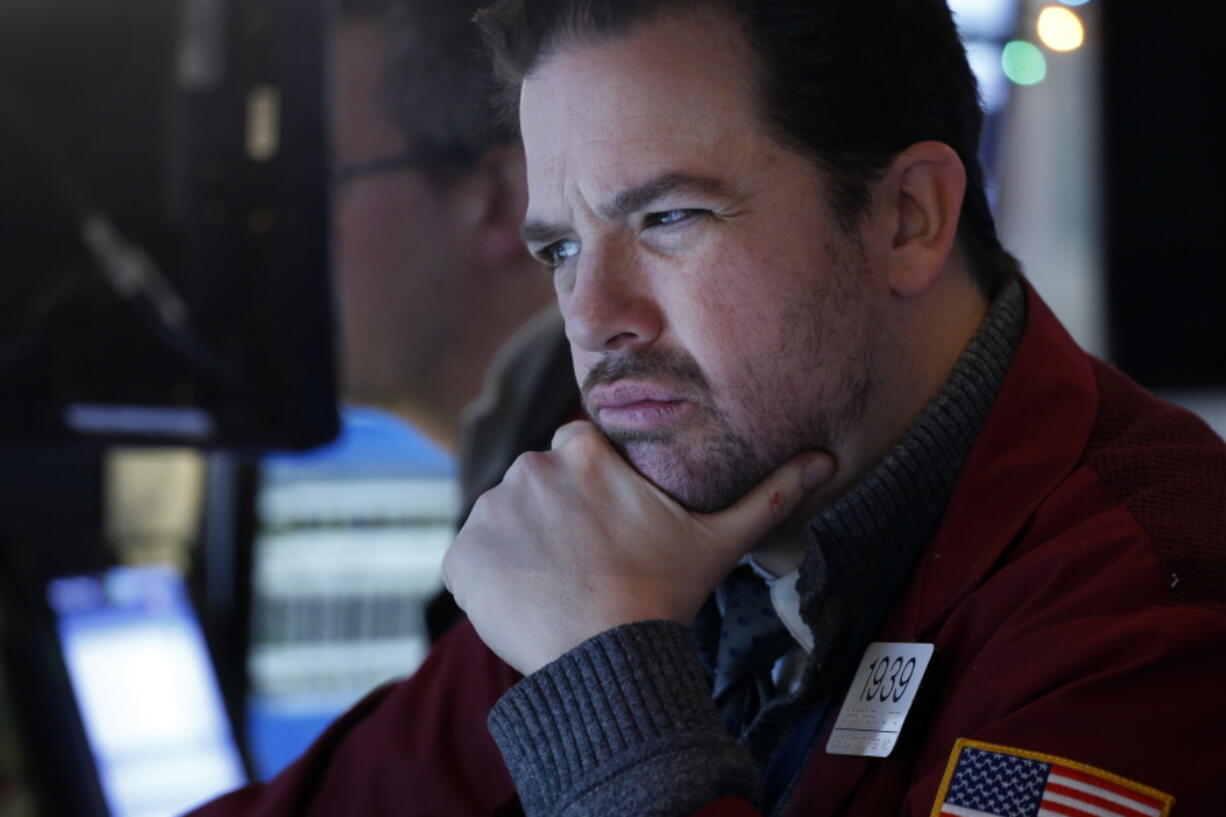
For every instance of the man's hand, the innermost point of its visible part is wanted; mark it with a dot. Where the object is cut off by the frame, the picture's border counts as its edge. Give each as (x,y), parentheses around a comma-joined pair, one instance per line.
(574,542)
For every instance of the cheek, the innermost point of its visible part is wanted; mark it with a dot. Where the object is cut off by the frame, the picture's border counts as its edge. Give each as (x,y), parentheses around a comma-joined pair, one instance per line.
(771,337)
(727,329)
(582,362)
(735,301)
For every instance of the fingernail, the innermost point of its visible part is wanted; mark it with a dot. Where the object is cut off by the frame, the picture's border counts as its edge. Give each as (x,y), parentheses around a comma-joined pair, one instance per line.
(816,473)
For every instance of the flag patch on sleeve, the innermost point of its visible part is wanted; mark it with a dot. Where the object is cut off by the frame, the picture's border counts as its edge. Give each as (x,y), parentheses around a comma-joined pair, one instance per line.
(987,780)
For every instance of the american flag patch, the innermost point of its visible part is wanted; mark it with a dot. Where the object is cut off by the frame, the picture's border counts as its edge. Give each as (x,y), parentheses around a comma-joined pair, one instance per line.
(986,780)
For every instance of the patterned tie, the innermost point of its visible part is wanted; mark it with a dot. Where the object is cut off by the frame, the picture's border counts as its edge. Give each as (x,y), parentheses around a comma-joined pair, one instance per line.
(751,641)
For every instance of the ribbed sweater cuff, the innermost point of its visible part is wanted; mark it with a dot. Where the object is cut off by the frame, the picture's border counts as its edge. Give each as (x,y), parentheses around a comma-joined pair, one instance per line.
(623,724)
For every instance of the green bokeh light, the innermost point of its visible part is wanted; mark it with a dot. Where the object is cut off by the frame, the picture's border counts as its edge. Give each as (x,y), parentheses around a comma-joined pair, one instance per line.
(1024,63)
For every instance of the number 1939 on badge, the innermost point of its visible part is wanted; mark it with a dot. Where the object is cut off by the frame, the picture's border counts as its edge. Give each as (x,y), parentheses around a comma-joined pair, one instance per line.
(877,702)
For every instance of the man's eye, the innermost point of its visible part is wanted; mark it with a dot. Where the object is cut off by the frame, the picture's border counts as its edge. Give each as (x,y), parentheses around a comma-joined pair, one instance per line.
(556,253)
(666,218)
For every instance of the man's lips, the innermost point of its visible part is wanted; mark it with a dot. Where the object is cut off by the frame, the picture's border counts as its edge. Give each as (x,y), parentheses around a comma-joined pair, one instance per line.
(638,406)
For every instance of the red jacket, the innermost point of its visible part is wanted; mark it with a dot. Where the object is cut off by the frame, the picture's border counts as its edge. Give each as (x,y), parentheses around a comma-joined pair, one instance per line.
(1075,593)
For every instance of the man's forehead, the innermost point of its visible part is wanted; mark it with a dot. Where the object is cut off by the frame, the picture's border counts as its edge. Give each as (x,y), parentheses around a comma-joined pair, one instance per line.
(608,116)
(635,198)
(359,127)
(612,177)
(563,118)
(682,68)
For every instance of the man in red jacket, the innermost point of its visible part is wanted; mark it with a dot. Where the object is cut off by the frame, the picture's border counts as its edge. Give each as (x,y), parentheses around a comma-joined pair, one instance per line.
(855,528)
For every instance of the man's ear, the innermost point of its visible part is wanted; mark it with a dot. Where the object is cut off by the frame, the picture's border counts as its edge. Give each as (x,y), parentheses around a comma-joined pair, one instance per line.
(923,191)
(504,191)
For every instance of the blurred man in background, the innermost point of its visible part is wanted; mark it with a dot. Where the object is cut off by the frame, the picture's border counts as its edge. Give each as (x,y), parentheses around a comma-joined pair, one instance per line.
(428,198)
(433,278)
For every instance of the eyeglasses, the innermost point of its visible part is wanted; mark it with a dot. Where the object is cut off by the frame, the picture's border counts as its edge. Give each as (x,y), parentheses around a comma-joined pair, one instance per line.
(409,158)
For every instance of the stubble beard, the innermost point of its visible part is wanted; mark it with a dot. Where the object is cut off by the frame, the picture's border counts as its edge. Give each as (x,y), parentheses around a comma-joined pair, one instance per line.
(710,463)
(703,477)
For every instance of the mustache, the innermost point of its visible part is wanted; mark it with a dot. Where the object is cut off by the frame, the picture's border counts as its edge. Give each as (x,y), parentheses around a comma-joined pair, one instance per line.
(655,364)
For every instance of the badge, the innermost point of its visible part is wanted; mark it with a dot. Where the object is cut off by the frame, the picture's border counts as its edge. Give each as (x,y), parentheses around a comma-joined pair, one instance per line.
(986,780)
(879,698)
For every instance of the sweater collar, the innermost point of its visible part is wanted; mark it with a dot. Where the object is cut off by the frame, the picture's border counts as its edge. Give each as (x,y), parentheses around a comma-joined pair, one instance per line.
(860,548)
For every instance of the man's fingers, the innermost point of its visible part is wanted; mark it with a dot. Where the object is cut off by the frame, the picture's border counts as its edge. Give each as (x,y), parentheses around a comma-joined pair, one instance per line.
(774,499)
(569,431)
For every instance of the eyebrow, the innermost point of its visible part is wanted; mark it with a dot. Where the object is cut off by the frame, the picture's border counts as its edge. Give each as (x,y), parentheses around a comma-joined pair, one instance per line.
(642,196)
(632,200)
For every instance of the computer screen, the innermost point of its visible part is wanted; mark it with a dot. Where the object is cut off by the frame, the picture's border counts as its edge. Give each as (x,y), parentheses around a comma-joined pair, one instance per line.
(145,690)
(348,549)
(164,222)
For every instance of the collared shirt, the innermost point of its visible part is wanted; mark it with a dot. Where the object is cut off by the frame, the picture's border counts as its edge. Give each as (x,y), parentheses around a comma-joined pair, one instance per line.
(786,602)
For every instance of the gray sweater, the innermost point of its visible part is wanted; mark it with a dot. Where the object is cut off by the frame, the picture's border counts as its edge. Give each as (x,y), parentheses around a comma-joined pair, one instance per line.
(623,724)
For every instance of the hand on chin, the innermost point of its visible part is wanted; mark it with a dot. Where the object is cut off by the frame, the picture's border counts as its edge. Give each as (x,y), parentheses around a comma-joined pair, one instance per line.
(574,542)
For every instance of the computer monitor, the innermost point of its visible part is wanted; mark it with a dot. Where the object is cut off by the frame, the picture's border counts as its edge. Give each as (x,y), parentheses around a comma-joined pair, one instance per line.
(164,222)
(347,550)
(145,691)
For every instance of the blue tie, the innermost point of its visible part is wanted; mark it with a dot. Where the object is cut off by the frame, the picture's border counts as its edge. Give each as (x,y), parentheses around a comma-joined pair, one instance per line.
(751,640)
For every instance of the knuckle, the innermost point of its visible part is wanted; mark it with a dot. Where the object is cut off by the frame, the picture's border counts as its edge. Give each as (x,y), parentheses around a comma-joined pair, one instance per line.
(588,445)
(528,465)
(480,507)
(453,571)
(578,427)
(449,568)
(568,431)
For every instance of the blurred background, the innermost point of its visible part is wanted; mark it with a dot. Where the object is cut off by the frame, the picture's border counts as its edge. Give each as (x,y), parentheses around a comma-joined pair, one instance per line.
(222,219)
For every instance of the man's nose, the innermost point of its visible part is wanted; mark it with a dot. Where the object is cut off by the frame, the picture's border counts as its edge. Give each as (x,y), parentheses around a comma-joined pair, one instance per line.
(610,304)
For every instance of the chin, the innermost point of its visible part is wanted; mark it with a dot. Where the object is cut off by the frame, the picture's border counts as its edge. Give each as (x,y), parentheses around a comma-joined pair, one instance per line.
(702,478)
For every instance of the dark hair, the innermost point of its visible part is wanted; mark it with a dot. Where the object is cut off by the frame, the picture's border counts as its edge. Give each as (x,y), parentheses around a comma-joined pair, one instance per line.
(850,83)
(438,86)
